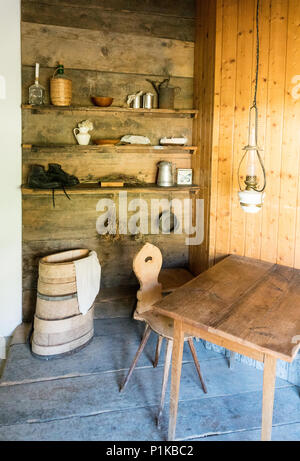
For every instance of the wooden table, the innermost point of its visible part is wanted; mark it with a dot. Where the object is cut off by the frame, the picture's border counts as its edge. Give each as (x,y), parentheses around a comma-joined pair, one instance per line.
(245,305)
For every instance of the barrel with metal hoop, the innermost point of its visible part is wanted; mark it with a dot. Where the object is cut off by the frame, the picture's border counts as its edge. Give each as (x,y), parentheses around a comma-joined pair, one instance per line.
(59,326)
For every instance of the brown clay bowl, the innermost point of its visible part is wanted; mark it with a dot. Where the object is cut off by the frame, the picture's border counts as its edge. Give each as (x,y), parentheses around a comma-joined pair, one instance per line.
(102,142)
(102,101)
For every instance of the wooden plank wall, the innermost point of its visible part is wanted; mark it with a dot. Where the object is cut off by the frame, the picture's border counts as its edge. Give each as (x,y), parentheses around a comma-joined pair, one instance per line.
(108,47)
(72,224)
(274,234)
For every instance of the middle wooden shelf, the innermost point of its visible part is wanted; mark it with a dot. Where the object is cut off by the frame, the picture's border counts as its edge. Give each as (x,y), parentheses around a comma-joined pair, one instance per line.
(107,148)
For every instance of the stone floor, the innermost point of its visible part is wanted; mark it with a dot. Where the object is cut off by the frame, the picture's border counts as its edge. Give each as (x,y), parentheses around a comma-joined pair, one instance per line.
(77,397)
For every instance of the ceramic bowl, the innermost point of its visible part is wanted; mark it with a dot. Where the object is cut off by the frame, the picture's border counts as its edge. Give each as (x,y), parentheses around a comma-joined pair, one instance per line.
(102,101)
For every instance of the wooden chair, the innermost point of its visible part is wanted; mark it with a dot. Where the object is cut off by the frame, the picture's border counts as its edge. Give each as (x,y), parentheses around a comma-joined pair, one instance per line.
(147,265)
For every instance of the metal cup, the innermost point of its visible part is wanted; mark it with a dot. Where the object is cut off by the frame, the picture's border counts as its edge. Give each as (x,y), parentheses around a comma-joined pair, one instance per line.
(136,104)
(148,101)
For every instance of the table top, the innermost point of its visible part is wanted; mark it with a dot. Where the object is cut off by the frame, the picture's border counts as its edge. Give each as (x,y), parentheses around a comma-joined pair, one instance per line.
(252,302)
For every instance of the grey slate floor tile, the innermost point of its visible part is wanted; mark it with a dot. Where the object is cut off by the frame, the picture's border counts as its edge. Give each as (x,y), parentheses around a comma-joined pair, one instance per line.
(77,397)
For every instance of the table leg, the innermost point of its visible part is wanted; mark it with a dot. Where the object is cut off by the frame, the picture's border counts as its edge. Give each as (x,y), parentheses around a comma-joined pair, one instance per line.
(175,377)
(268,396)
(165,379)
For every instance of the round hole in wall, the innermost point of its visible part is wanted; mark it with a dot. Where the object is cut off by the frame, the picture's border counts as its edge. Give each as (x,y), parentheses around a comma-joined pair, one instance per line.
(167,222)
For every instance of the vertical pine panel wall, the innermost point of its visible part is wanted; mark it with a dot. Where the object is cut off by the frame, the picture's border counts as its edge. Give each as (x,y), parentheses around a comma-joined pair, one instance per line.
(274,233)
(204,74)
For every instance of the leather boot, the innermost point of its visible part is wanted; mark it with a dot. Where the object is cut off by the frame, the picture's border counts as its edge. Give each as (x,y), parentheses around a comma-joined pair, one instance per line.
(56,173)
(39,179)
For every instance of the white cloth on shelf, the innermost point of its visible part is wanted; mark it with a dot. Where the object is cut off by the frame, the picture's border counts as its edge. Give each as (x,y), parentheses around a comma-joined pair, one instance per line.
(88,276)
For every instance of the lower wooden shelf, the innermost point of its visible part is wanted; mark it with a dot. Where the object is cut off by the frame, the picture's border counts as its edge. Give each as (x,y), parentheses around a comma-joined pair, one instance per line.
(95,189)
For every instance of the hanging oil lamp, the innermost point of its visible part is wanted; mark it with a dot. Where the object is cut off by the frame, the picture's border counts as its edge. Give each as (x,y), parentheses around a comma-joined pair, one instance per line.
(252,195)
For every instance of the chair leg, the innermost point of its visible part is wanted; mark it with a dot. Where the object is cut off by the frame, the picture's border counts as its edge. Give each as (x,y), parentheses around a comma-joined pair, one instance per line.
(197,365)
(145,329)
(137,356)
(165,379)
(158,349)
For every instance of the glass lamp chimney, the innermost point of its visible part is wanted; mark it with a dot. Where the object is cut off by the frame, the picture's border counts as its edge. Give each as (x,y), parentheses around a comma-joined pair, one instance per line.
(251,175)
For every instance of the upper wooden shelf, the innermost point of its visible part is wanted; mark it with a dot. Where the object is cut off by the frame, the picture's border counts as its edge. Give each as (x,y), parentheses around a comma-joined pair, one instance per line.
(112,110)
(95,189)
(140,149)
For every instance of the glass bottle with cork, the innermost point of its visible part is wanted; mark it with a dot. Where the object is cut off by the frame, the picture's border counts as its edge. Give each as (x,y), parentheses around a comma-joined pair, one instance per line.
(36,91)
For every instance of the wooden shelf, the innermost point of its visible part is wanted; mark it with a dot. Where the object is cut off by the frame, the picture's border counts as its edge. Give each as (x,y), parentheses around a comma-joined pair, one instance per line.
(142,149)
(95,189)
(113,110)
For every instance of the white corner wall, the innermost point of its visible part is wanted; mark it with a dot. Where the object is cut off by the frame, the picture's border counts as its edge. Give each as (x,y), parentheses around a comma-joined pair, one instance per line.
(10,177)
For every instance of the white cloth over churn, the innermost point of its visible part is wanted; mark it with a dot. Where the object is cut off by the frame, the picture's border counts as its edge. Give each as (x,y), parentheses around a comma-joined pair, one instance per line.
(88,277)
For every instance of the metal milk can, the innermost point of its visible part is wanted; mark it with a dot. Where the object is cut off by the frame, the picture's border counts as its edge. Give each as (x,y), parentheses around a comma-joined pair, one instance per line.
(165,174)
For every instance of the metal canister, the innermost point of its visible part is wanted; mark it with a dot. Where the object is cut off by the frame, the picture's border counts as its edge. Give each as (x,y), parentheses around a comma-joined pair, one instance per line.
(166,96)
(136,103)
(148,100)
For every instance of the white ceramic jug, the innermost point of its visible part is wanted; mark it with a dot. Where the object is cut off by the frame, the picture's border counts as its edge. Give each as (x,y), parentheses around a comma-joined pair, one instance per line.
(82,135)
